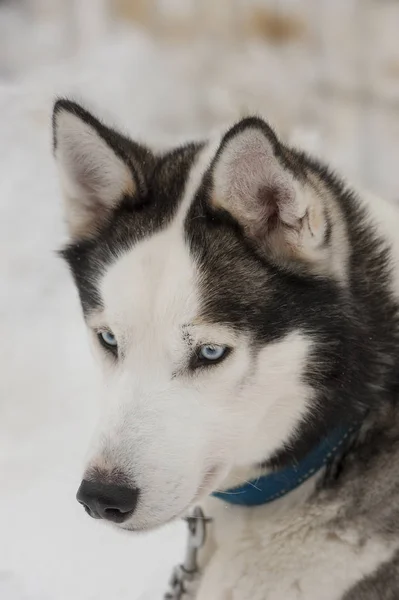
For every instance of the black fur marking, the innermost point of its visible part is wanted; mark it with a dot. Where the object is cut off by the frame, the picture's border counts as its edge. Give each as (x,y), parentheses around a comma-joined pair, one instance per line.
(355,329)
(354,364)
(383,584)
(327,233)
(162,184)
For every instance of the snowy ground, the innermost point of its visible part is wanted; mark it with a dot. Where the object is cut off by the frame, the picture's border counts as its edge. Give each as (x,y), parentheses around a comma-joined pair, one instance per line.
(49,549)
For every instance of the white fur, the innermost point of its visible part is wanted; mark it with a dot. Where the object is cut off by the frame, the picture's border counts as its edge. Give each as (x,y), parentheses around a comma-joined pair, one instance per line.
(159,419)
(178,435)
(284,551)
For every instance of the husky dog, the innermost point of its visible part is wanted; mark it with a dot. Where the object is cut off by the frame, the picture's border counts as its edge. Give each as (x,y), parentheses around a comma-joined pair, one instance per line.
(243,304)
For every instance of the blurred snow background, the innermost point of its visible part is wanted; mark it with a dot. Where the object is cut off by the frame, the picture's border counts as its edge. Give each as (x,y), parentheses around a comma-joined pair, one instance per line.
(325,72)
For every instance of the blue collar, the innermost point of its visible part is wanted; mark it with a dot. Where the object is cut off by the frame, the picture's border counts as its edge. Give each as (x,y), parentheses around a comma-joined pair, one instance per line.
(277,484)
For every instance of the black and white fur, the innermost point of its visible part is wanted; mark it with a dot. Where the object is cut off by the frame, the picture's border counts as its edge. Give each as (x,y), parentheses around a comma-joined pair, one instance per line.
(243,242)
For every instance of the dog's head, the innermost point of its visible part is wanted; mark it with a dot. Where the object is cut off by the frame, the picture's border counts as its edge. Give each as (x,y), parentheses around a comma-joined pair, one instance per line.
(211,279)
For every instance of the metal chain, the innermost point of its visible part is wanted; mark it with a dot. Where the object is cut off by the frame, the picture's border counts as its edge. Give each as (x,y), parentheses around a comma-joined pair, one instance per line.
(188,571)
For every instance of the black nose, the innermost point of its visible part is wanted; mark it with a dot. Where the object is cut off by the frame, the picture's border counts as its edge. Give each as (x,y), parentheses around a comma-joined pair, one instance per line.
(107,501)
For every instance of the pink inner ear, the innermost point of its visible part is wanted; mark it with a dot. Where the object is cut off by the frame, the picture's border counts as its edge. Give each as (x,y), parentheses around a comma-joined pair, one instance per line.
(254,186)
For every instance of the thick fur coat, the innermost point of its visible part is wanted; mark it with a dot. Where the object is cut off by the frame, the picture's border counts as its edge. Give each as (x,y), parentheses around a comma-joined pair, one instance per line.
(243,302)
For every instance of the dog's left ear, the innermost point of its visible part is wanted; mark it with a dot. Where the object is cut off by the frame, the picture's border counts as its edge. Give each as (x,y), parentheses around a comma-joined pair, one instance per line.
(279,213)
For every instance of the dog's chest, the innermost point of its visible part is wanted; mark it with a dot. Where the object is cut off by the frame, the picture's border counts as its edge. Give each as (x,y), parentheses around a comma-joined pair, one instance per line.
(284,553)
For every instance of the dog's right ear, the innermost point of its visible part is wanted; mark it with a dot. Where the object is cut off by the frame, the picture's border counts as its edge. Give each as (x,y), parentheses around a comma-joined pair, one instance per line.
(95,168)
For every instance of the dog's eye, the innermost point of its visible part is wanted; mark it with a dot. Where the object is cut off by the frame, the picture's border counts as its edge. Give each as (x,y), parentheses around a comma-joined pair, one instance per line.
(211,353)
(208,355)
(108,340)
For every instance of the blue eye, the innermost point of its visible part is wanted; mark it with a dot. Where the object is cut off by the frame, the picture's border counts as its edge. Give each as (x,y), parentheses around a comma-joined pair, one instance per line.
(108,339)
(212,352)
